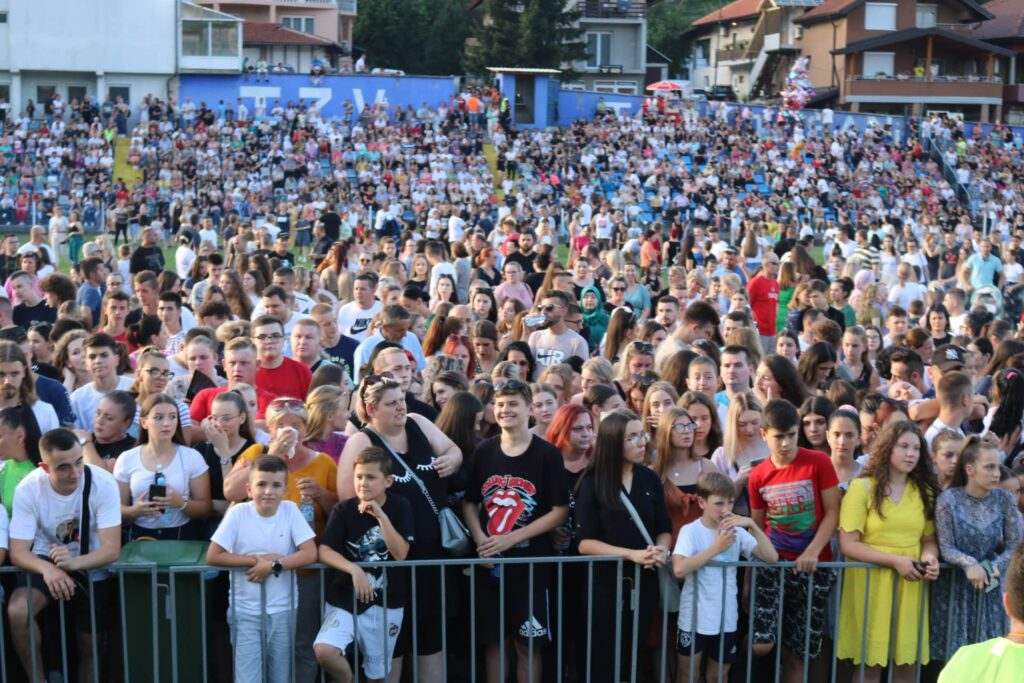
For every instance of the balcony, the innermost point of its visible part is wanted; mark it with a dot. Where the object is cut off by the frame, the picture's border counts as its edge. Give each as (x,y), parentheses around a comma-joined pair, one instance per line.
(903,88)
(612,9)
(733,54)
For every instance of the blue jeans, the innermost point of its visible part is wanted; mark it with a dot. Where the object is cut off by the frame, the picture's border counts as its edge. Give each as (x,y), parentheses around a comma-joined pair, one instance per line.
(252,646)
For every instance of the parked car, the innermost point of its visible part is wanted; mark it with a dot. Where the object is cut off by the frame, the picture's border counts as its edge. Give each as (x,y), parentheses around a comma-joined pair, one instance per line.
(722,93)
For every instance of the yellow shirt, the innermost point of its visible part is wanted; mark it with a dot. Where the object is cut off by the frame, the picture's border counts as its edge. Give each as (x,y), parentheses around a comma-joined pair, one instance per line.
(994,661)
(320,469)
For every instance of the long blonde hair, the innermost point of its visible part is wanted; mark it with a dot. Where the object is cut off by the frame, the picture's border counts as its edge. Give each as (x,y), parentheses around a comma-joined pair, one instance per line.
(321,404)
(738,404)
(663,440)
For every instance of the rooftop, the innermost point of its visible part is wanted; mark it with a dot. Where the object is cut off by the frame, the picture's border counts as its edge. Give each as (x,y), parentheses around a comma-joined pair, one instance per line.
(267,33)
(738,9)
(1007,21)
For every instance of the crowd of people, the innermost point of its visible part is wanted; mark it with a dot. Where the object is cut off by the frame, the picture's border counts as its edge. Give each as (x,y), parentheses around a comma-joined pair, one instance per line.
(668,339)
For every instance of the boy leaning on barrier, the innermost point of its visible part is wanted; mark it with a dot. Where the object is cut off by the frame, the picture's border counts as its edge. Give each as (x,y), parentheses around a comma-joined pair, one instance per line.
(365,605)
(794,497)
(720,536)
(60,551)
(263,540)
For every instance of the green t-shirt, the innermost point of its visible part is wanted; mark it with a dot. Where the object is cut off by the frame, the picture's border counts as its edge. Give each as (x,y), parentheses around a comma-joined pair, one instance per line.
(995,661)
(10,476)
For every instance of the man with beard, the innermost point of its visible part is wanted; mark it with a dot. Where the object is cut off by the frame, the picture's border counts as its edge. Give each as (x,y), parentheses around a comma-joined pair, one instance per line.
(18,390)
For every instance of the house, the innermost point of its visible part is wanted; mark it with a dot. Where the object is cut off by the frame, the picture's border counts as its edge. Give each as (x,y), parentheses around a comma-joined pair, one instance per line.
(331,20)
(279,45)
(1006,29)
(144,44)
(721,52)
(615,32)
(905,56)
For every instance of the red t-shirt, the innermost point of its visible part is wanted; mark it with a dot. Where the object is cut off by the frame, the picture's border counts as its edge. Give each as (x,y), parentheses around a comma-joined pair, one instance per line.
(764,301)
(291,378)
(791,499)
(199,409)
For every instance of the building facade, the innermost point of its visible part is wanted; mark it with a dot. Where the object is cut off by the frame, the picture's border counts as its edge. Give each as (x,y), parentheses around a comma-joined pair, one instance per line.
(331,20)
(722,42)
(615,32)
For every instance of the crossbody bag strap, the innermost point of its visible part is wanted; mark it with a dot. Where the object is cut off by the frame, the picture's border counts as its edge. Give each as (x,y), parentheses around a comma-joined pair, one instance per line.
(636,517)
(83,534)
(419,482)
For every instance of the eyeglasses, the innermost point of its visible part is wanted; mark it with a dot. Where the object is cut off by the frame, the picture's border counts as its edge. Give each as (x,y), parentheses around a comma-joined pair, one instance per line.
(277,336)
(638,438)
(157,372)
(683,427)
(618,289)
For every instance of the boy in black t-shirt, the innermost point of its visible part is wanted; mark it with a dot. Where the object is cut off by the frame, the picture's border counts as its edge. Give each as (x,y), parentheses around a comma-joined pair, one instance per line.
(517,494)
(372,527)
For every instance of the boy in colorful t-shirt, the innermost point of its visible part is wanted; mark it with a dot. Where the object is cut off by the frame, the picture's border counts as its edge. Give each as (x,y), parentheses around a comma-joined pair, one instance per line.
(794,497)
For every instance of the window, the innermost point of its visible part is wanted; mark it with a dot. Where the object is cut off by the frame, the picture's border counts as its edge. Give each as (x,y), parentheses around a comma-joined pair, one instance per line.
(574,85)
(223,38)
(304,24)
(879,16)
(76,92)
(599,49)
(122,91)
(620,87)
(3,18)
(878,63)
(5,92)
(45,93)
(927,16)
(195,38)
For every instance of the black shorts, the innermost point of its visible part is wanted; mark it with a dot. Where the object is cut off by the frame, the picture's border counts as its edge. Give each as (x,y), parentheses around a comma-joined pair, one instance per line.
(426,615)
(527,616)
(80,605)
(689,644)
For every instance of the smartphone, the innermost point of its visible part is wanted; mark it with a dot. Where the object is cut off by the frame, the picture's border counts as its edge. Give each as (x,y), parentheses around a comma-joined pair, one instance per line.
(157,491)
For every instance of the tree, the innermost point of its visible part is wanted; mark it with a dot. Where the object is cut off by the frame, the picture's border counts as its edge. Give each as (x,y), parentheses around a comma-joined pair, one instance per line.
(667,21)
(416,36)
(533,33)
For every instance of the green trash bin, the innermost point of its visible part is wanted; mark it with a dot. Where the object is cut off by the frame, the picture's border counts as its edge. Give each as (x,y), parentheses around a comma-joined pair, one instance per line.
(151,657)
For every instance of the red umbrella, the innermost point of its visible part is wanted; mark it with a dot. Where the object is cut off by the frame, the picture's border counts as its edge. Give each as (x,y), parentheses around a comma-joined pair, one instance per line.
(664,85)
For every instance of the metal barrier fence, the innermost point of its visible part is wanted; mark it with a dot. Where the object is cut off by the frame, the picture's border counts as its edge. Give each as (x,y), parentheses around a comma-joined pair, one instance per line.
(643,647)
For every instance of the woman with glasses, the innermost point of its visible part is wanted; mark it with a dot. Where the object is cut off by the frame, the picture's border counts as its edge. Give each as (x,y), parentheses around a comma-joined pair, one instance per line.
(152,376)
(606,527)
(165,485)
(312,485)
(412,441)
(678,467)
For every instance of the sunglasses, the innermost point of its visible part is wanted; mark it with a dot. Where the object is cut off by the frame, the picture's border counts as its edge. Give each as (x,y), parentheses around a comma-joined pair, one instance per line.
(510,386)
(286,402)
(643,347)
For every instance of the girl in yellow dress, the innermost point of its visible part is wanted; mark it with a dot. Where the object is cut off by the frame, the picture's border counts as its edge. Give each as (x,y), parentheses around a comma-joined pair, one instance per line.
(888,518)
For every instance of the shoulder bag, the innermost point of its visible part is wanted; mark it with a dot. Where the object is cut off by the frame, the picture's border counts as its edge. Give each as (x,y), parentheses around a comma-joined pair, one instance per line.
(454,536)
(667,584)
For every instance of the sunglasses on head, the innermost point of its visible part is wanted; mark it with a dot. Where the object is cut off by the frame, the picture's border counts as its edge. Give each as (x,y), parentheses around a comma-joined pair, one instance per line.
(510,386)
(643,347)
(286,402)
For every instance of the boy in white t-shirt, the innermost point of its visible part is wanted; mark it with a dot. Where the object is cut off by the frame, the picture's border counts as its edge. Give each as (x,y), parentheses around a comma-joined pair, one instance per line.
(718,536)
(267,538)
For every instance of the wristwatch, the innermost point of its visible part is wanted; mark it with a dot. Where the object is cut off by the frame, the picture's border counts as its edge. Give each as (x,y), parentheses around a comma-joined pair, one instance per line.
(276,568)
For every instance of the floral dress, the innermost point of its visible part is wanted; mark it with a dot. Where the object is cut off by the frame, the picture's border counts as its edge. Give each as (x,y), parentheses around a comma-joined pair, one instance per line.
(971,530)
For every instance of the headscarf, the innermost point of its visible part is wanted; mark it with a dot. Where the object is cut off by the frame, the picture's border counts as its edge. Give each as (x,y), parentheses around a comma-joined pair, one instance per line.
(595,319)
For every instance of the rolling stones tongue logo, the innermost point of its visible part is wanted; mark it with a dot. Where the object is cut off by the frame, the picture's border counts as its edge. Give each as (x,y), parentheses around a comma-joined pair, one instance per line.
(509,502)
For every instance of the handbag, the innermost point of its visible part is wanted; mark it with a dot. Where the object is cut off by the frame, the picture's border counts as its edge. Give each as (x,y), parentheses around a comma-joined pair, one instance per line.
(668,587)
(455,537)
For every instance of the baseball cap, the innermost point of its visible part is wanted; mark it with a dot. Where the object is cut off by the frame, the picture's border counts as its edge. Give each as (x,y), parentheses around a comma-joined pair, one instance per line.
(949,357)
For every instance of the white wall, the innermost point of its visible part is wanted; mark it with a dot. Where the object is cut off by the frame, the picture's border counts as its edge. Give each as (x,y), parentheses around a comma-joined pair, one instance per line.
(117,36)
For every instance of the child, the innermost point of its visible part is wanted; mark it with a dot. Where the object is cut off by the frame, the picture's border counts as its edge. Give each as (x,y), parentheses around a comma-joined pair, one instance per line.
(794,496)
(946,448)
(372,527)
(268,538)
(721,536)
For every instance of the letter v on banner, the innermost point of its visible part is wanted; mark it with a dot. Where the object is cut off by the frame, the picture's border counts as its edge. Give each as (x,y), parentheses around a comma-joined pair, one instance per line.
(357,96)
